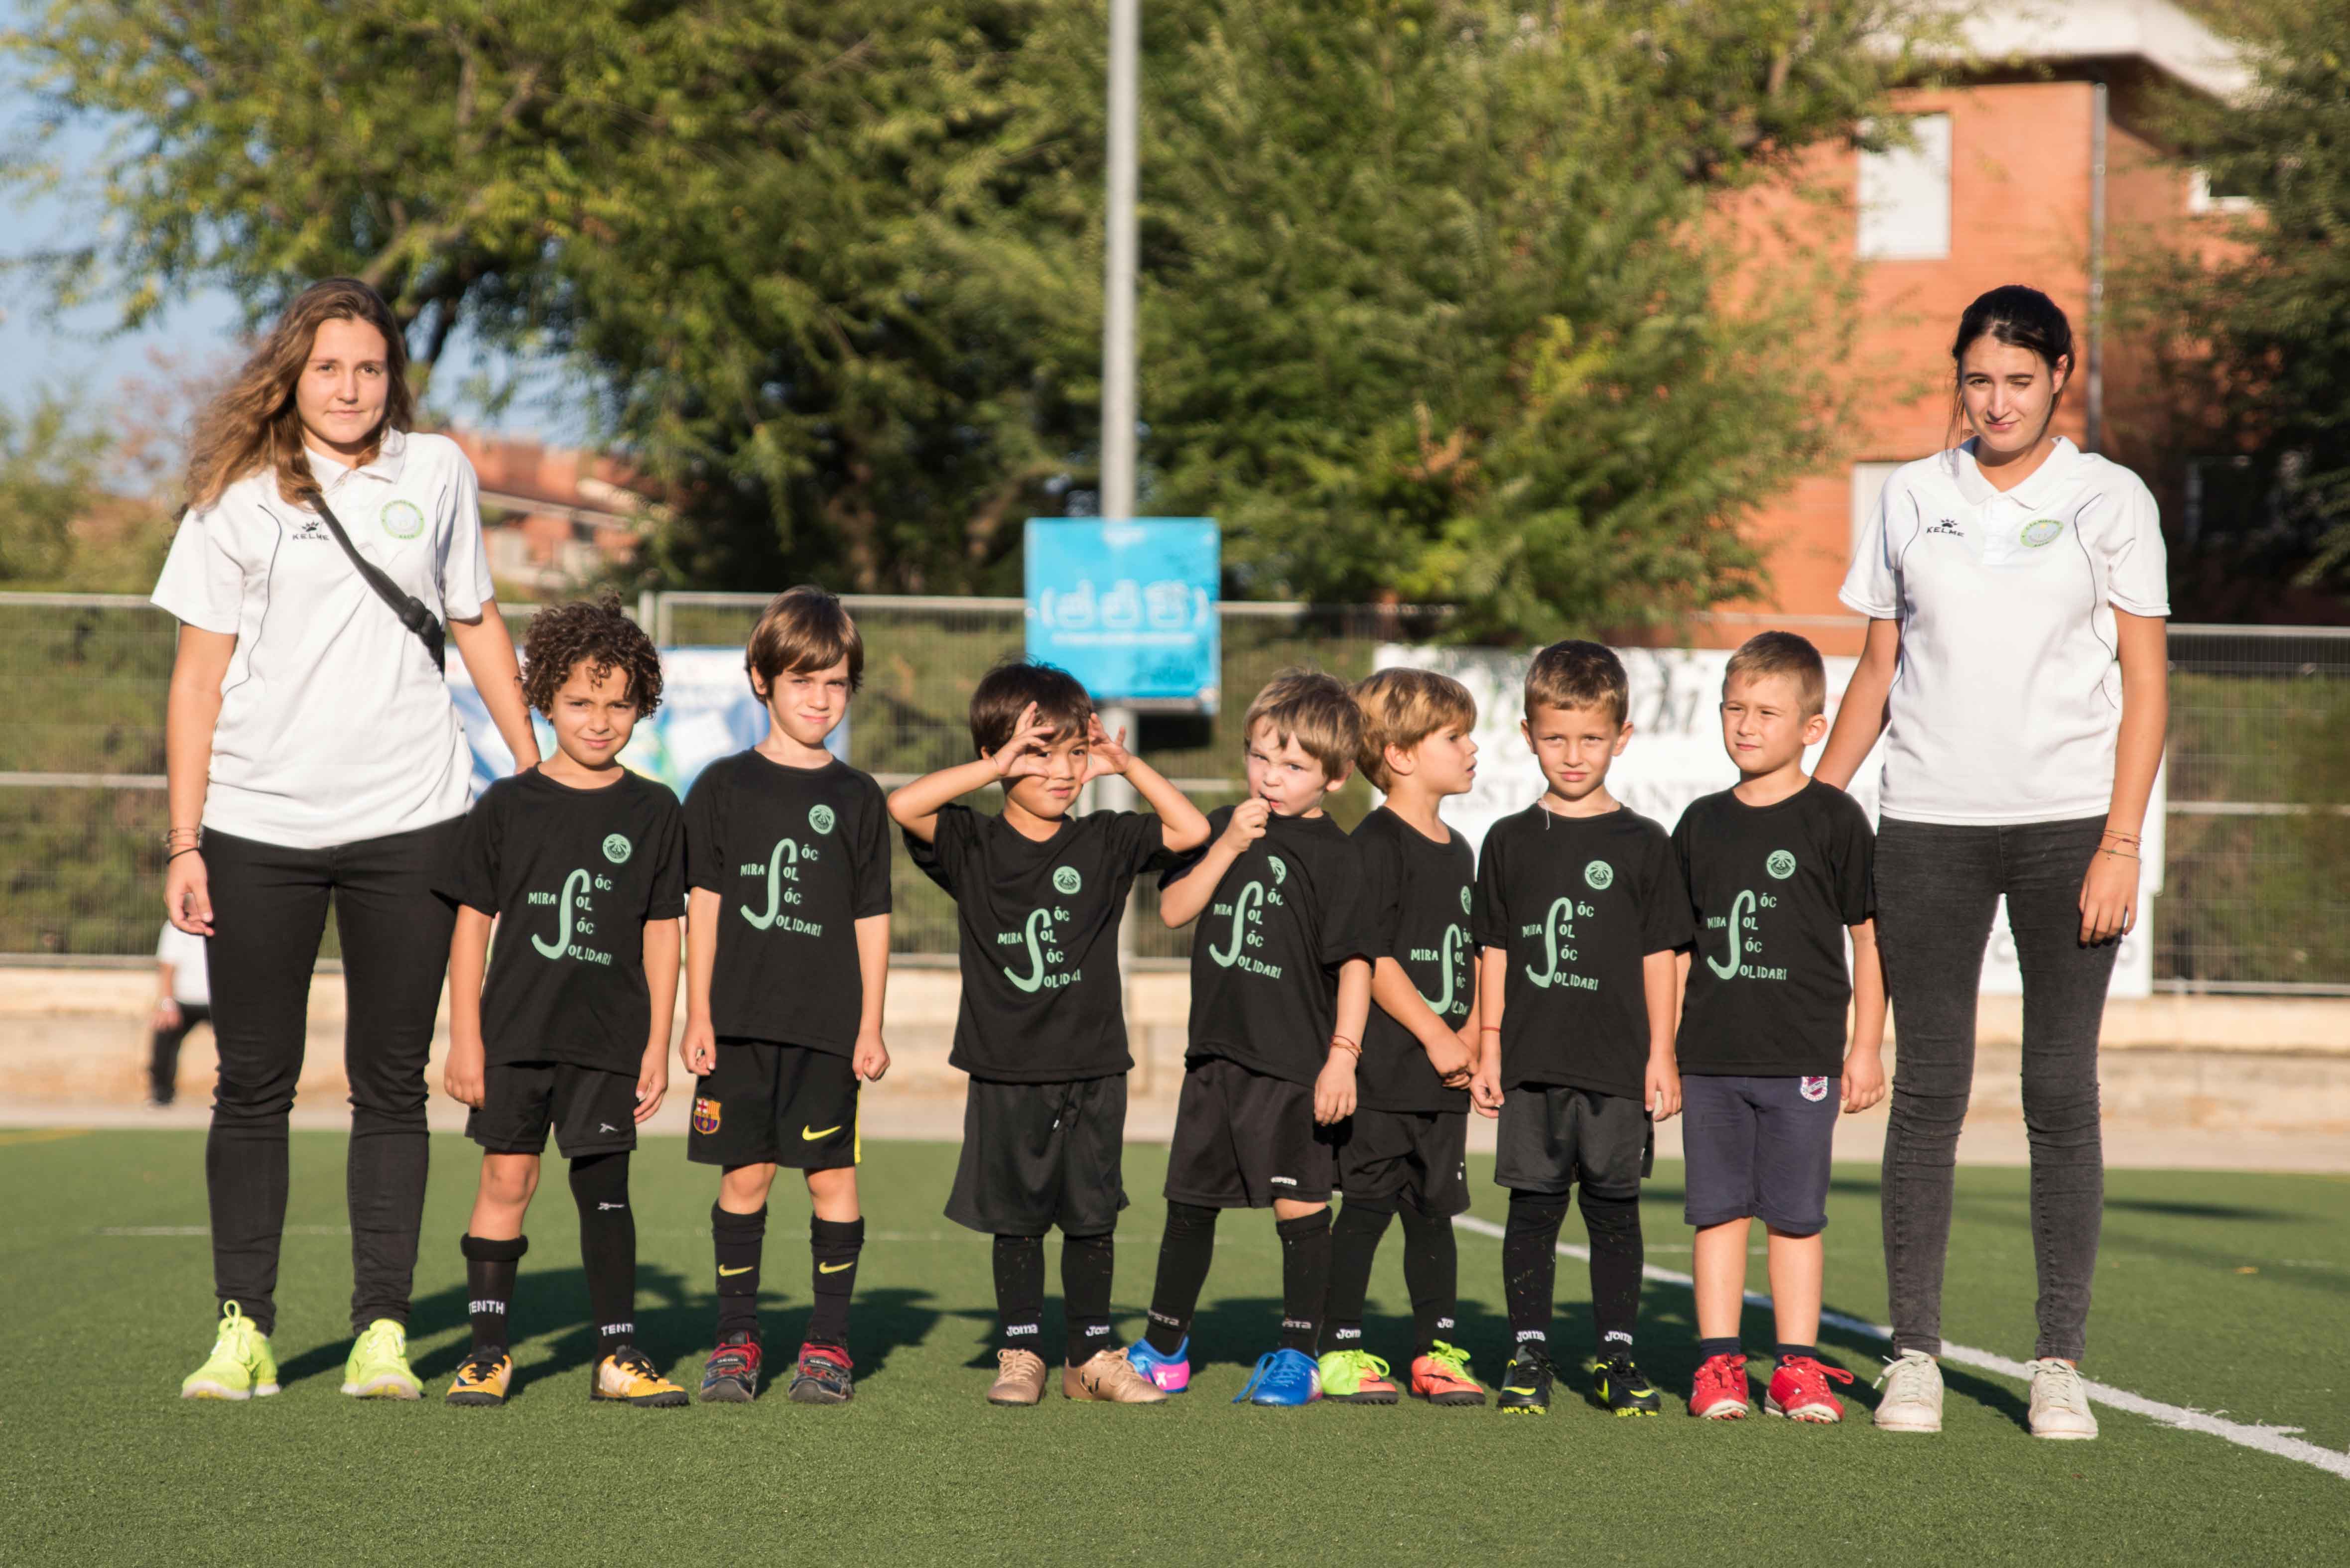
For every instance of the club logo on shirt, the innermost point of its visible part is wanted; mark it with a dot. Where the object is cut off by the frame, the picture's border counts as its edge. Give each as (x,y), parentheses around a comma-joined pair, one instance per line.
(1279,869)
(1780,865)
(617,848)
(1559,945)
(782,871)
(1036,935)
(705,1116)
(1815,1089)
(1246,912)
(1066,881)
(1464,900)
(820,818)
(2041,531)
(400,519)
(575,918)
(1600,876)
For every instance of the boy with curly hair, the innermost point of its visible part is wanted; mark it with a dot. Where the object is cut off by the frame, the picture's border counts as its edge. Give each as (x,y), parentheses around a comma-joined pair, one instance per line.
(586,862)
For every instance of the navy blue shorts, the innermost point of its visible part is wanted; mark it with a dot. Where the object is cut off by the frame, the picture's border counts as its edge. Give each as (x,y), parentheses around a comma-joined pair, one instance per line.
(1758,1149)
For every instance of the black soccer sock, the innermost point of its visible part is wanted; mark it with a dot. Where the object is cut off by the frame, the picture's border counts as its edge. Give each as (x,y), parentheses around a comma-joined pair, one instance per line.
(608,1246)
(1304,1279)
(1432,1272)
(833,1245)
(1354,1244)
(738,1239)
(489,1284)
(1020,1291)
(1530,1264)
(1789,1352)
(1184,1254)
(1707,1349)
(1088,1263)
(1616,1259)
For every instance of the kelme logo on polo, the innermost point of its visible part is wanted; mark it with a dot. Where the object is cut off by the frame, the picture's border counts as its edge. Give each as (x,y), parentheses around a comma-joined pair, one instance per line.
(1066,881)
(2041,531)
(400,519)
(820,818)
(1279,869)
(1780,865)
(1600,875)
(615,849)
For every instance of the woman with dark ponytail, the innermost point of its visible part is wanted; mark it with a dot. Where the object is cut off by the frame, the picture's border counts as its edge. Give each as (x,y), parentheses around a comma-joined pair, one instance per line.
(2015,665)
(313,750)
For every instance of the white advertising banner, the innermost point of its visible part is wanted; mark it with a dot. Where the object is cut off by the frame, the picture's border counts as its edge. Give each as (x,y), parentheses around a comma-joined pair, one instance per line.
(1676,755)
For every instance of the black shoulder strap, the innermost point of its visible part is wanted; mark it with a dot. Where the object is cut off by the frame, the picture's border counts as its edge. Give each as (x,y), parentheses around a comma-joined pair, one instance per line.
(405,605)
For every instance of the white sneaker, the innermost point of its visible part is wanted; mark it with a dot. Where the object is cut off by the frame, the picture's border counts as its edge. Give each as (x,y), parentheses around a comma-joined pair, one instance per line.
(2060,1401)
(1912,1382)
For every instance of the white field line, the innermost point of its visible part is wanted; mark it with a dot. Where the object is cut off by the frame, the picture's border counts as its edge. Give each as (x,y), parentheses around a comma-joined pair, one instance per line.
(2274,1440)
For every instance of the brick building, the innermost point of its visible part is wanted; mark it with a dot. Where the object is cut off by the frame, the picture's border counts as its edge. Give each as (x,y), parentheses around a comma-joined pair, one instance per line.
(2042,166)
(554,518)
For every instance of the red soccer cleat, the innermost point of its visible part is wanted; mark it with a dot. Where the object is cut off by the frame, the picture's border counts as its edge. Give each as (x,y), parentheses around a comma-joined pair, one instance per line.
(1799,1391)
(1720,1391)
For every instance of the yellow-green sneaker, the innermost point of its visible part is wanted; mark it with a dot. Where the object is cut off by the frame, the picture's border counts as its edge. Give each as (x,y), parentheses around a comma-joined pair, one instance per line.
(378,1368)
(240,1366)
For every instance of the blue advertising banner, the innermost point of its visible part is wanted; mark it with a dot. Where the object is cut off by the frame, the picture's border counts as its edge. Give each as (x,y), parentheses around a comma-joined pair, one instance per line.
(707,713)
(1128,607)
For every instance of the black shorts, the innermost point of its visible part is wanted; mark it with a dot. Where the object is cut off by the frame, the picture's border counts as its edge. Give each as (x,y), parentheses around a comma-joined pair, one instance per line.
(1039,1155)
(591,1110)
(1243,1139)
(765,1104)
(1422,1155)
(1759,1148)
(1552,1137)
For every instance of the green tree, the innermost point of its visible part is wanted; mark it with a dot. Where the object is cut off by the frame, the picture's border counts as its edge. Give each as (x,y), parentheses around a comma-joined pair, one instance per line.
(50,464)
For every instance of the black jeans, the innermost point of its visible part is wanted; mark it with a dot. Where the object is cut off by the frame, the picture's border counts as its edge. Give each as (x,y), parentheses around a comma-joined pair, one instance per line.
(269,911)
(1937,887)
(163,1059)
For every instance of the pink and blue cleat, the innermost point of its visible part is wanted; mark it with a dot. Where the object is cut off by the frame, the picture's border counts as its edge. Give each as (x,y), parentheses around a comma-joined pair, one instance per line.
(1168,1373)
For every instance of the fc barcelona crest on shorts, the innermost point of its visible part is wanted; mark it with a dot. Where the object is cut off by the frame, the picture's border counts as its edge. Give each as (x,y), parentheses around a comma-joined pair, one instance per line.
(1814,1090)
(705,1115)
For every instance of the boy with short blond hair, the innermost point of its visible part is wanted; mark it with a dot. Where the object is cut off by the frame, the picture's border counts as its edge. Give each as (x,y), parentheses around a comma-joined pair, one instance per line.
(1406,1147)
(1039,891)
(1779,870)
(1579,912)
(787,867)
(1280,988)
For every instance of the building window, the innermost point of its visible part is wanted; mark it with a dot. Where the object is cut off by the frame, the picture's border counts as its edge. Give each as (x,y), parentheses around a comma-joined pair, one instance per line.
(1905,195)
(1867,489)
(2202,199)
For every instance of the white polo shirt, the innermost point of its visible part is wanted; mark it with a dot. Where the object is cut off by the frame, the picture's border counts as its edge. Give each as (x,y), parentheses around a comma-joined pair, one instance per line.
(2008,696)
(192,979)
(334,725)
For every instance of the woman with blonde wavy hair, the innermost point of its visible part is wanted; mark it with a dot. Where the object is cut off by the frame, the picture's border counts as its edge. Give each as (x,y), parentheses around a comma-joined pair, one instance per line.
(313,751)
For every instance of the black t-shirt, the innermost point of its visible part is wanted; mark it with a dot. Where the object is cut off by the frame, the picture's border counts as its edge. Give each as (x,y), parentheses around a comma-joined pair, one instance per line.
(1772,888)
(1264,955)
(1417,892)
(1041,992)
(574,875)
(797,857)
(1577,902)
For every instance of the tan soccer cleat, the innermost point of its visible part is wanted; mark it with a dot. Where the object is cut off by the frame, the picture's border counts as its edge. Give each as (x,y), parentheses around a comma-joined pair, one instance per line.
(1110,1378)
(626,1375)
(1019,1378)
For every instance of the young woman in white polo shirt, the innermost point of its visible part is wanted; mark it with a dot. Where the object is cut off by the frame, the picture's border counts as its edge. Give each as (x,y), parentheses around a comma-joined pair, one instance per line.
(313,750)
(2015,665)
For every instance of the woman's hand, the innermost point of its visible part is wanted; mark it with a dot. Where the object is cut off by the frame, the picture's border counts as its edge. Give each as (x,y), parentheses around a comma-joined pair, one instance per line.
(2109,898)
(463,1076)
(188,893)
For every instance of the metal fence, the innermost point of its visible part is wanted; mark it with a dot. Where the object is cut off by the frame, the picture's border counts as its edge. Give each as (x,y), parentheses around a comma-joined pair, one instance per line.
(2257,848)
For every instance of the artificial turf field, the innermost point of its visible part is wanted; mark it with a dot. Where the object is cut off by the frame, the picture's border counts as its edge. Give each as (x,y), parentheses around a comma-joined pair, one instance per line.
(2222,1293)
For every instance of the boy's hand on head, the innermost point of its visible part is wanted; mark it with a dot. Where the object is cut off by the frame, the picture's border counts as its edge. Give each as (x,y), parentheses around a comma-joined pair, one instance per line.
(1661,1088)
(1023,754)
(1485,1092)
(870,1059)
(652,1083)
(1334,1088)
(1863,1080)
(699,1049)
(1105,754)
(461,1074)
(1247,825)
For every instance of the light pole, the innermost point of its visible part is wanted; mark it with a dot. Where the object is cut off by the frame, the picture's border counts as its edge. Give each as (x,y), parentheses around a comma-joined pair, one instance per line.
(1117,413)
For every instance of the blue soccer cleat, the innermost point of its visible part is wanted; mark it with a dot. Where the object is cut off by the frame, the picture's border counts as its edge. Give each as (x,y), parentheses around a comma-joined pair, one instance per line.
(1167,1373)
(1282,1377)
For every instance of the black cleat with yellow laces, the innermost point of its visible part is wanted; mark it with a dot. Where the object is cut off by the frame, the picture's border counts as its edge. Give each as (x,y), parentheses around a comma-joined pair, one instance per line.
(1525,1386)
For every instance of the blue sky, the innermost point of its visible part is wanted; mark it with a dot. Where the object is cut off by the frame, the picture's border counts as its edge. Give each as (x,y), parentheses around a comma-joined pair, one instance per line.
(82,351)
